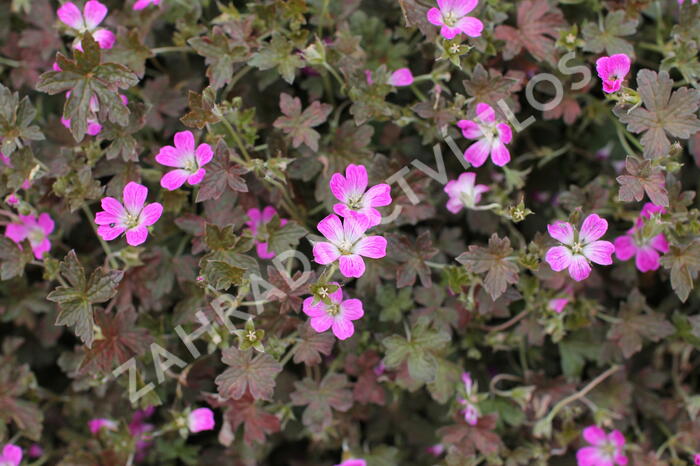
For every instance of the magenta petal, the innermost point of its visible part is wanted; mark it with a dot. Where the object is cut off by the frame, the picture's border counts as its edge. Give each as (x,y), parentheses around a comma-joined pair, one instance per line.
(617,438)
(174,179)
(204,154)
(321,323)
(470,129)
(589,456)
(16,232)
(325,253)
(262,251)
(109,233)
(150,214)
(70,15)
(462,7)
(254,215)
(332,228)
(593,228)
(470,26)
(562,232)
(625,248)
(485,112)
(594,435)
(378,196)
(659,243)
(647,259)
(477,153)
(356,179)
(313,308)
(46,223)
(44,246)
(579,269)
(136,236)
(373,247)
(94,13)
(134,197)
(337,185)
(505,134)
(172,157)
(200,419)
(500,155)
(197,177)
(184,140)
(105,39)
(342,328)
(599,252)
(12,453)
(105,218)
(269,212)
(351,309)
(401,77)
(434,17)
(352,265)
(448,32)
(558,258)
(354,227)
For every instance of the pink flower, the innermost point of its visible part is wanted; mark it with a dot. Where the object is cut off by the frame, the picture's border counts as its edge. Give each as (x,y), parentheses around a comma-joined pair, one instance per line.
(350,191)
(257,223)
(463,192)
(492,137)
(612,70)
(93,126)
(579,248)
(645,249)
(401,77)
(200,419)
(95,425)
(141,4)
(558,304)
(139,430)
(92,15)
(337,315)
(188,161)
(606,449)
(436,450)
(348,244)
(133,217)
(470,411)
(34,229)
(353,462)
(452,16)
(696,458)
(680,2)
(11,455)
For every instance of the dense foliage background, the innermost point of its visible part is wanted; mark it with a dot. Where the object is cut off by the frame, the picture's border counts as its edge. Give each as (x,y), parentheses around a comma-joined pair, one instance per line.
(456,343)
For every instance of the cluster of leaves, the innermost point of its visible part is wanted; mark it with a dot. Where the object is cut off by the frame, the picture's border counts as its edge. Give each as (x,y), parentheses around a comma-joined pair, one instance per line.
(280,90)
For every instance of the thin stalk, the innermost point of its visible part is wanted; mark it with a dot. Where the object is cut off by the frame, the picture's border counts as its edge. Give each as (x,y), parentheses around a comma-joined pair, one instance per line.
(236,139)
(161,50)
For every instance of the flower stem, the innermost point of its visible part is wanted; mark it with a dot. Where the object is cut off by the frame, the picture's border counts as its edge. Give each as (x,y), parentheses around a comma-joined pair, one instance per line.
(9,62)
(160,50)
(108,251)
(237,139)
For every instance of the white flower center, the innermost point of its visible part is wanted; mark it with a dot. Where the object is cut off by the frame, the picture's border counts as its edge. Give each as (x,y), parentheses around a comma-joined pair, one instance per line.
(449,18)
(333,310)
(345,247)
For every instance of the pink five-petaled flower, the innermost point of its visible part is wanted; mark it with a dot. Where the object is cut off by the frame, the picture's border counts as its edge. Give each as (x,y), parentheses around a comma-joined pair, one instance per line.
(558,304)
(36,230)
(200,419)
(141,4)
(492,137)
(188,161)
(348,244)
(256,223)
(579,247)
(350,191)
(452,16)
(11,455)
(353,462)
(470,411)
(606,449)
(338,315)
(97,424)
(133,217)
(464,192)
(92,15)
(401,77)
(646,250)
(612,70)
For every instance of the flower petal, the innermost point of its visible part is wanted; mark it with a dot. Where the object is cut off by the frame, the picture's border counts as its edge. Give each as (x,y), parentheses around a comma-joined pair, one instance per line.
(263,252)
(647,259)
(70,15)
(625,248)
(377,196)
(562,232)
(356,179)
(594,435)
(16,232)
(338,187)
(470,129)
(204,154)
(477,153)
(174,179)
(401,77)
(109,233)
(599,252)
(373,247)
(590,456)
(343,328)
(617,438)
(593,228)
(184,140)
(313,308)
(558,258)
(136,236)
(462,7)
(351,309)
(434,17)
(325,253)
(579,269)
(12,453)
(354,227)
(332,228)
(321,323)
(150,214)
(352,265)
(172,157)
(94,13)
(196,177)
(470,26)
(500,155)
(105,218)
(659,243)
(105,39)
(485,112)
(134,197)
(46,223)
